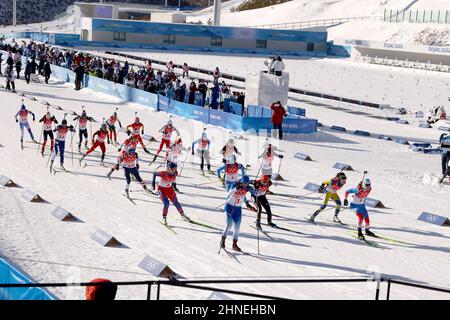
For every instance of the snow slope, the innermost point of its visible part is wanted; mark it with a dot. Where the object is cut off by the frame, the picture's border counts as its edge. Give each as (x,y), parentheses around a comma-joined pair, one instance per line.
(54,251)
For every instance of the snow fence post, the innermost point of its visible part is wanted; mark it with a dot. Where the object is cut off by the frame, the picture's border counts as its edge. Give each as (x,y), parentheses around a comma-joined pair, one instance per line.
(377,294)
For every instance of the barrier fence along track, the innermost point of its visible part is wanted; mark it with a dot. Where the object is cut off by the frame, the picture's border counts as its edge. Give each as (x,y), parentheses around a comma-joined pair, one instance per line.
(194,284)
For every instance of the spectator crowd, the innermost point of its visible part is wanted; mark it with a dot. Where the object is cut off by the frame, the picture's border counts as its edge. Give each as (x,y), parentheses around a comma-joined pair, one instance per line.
(162,81)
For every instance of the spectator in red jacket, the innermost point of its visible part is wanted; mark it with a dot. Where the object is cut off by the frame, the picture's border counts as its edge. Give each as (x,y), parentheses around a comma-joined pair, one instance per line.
(277,117)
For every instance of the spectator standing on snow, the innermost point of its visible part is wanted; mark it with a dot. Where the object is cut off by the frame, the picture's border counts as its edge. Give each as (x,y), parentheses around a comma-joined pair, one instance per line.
(10,79)
(192,91)
(47,71)
(79,72)
(18,68)
(203,88)
(30,69)
(277,117)
(185,70)
(216,75)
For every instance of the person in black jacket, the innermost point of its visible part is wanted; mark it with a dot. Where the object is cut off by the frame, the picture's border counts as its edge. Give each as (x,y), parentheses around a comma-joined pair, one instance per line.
(202,88)
(10,60)
(30,69)
(41,65)
(18,68)
(79,72)
(47,71)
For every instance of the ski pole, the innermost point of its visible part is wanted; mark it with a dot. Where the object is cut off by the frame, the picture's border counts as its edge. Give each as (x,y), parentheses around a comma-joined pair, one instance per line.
(257,174)
(40,137)
(71,140)
(278,173)
(184,161)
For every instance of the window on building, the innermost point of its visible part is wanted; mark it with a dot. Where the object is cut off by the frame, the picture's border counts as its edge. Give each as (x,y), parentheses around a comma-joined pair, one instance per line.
(119,36)
(310,47)
(169,39)
(261,44)
(216,41)
(84,34)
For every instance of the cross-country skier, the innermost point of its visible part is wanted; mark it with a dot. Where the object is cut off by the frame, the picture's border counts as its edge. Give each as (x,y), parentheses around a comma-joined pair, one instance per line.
(129,161)
(61,133)
(173,155)
(358,205)
(165,190)
(130,143)
(167,132)
(101,135)
(23,122)
(174,150)
(137,128)
(267,158)
(47,128)
(82,128)
(262,187)
(112,127)
(445,146)
(203,152)
(228,150)
(231,169)
(233,208)
(331,187)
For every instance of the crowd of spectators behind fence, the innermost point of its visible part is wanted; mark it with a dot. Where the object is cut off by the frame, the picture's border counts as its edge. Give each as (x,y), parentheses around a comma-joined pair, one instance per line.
(162,81)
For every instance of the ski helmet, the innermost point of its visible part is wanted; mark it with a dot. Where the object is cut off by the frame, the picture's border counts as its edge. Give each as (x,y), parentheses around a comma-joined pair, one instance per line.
(137,120)
(269,149)
(204,136)
(231,141)
(171,166)
(64,122)
(23,106)
(169,123)
(341,176)
(232,159)
(83,113)
(245,180)
(48,114)
(366,183)
(265,179)
(104,127)
(131,151)
(115,114)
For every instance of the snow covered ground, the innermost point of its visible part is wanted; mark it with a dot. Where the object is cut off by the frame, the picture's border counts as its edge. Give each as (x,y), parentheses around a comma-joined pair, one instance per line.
(54,251)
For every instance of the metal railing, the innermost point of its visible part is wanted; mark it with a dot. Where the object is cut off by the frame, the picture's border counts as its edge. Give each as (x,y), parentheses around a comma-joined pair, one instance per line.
(199,285)
(313,23)
(416,16)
